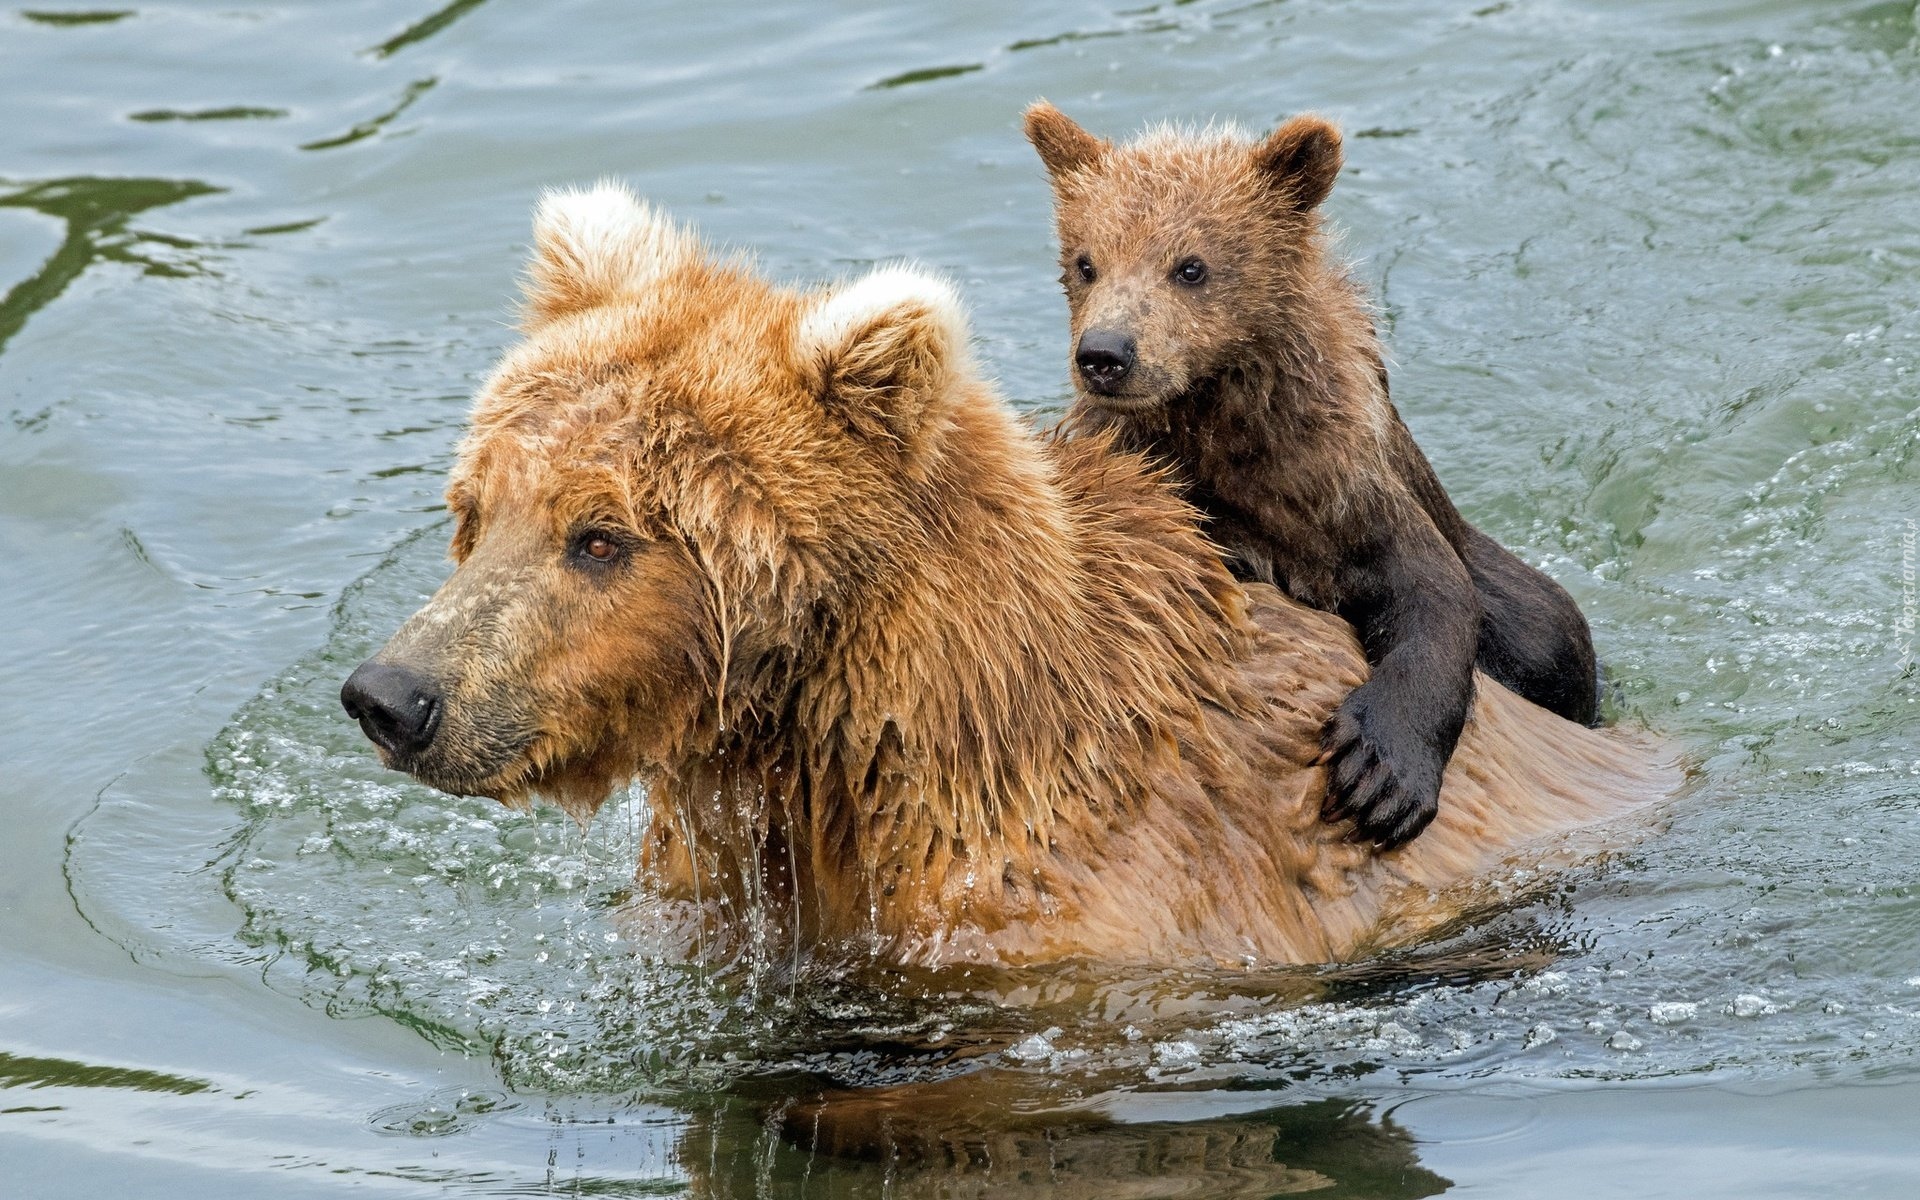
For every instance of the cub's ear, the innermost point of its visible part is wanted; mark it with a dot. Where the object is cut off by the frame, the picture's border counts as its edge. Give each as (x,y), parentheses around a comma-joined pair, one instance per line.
(1300,159)
(887,346)
(592,246)
(1064,147)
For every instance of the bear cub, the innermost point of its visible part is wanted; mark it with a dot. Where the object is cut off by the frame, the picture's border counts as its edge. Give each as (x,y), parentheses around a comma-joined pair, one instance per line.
(1213,329)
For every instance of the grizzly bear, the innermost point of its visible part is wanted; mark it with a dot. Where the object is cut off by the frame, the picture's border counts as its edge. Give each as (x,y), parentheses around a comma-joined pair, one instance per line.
(1213,330)
(902,678)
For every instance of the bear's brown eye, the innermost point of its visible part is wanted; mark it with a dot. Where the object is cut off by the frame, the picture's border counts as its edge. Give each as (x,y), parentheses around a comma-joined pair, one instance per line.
(1192,272)
(1084,266)
(597,547)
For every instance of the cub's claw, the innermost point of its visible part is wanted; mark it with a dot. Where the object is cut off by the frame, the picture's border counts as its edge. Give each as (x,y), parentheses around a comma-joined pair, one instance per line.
(1381,774)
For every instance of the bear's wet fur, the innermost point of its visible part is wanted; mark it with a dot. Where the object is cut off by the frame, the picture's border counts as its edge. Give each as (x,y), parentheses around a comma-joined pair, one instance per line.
(905,681)
(1214,331)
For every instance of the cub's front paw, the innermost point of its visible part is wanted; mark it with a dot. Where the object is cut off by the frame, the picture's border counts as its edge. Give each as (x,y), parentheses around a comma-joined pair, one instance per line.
(1381,773)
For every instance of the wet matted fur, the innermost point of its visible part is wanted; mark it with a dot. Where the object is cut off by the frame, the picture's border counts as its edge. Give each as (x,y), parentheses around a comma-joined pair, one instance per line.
(902,677)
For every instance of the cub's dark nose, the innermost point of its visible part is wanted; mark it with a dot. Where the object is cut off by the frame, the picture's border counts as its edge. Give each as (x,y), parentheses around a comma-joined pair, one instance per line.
(398,708)
(1104,358)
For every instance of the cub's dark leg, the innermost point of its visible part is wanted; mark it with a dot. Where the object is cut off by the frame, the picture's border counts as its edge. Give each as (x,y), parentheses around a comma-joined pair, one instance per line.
(1387,745)
(1533,637)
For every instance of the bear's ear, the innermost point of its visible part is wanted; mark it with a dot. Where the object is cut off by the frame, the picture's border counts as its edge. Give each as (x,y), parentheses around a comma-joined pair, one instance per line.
(887,346)
(592,246)
(1300,159)
(1064,147)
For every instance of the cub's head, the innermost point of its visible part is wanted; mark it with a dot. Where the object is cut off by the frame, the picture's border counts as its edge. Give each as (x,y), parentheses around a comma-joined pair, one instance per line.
(670,489)
(1180,251)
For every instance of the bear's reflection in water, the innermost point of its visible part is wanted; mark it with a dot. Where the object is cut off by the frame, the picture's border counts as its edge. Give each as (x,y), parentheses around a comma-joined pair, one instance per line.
(970,1126)
(971,1138)
(991,1130)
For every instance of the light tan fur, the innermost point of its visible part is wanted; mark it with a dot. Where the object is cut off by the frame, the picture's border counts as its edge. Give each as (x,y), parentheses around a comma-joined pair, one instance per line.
(901,676)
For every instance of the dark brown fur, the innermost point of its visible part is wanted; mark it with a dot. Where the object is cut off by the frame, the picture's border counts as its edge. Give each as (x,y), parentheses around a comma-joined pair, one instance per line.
(1214,331)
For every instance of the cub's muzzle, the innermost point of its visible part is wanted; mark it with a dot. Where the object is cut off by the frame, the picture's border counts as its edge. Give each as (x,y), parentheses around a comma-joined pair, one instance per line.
(1105,357)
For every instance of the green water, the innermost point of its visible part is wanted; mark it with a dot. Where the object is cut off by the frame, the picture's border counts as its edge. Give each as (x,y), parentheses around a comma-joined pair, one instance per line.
(1651,277)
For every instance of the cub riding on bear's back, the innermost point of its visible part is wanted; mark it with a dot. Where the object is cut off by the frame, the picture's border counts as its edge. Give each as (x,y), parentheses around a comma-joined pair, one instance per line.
(1213,331)
(904,680)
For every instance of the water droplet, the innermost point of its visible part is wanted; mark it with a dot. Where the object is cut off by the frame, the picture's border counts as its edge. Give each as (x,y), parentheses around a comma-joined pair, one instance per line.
(1034,1048)
(1177,1054)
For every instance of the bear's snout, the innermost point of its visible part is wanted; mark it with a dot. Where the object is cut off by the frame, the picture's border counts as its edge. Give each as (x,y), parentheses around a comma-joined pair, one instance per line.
(1105,357)
(398,709)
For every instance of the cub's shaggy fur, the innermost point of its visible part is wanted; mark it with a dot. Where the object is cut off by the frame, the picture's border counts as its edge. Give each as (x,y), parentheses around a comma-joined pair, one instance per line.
(901,677)
(1214,331)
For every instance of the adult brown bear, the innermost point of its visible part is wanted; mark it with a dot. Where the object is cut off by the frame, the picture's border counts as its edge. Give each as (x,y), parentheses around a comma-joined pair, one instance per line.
(902,677)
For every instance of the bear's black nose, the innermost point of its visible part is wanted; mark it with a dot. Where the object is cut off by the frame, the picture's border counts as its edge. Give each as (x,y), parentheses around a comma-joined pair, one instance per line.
(399,709)
(1104,358)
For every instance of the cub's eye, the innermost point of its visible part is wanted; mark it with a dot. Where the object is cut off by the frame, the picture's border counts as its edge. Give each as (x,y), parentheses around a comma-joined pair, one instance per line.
(1083,266)
(597,547)
(1192,272)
